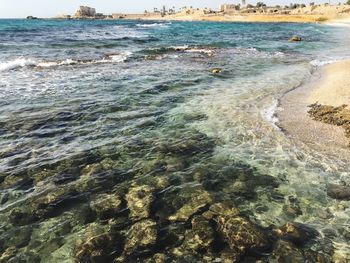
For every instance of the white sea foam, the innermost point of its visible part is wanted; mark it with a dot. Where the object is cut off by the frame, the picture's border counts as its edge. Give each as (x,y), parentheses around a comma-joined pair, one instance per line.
(188,49)
(49,64)
(208,52)
(121,57)
(251,51)
(23,62)
(184,47)
(153,25)
(320,63)
(339,24)
(270,113)
(16,63)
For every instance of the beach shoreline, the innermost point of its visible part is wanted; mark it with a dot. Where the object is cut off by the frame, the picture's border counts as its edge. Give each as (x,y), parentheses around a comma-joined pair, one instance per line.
(327,86)
(251,18)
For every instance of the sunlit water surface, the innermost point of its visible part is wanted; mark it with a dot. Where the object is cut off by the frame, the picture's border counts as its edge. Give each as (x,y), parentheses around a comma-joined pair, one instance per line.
(94,107)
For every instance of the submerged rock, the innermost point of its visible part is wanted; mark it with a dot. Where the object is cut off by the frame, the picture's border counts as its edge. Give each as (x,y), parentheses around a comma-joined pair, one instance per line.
(21,216)
(8,254)
(318,256)
(240,234)
(48,235)
(141,237)
(106,205)
(286,252)
(16,182)
(229,256)
(16,237)
(292,207)
(297,233)
(100,248)
(340,192)
(53,202)
(197,199)
(139,200)
(200,237)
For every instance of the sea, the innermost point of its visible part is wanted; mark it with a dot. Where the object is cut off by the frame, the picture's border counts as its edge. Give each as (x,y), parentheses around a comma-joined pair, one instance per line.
(116,136)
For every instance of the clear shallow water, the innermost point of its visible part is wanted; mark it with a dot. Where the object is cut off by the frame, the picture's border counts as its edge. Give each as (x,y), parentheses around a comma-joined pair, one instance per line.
(95,107)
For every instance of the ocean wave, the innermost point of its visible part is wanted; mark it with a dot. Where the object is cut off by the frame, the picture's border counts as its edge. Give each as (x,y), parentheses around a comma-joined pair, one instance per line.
(270,114)
(153,25)
(339,24)
(208,51)
(320,63)
(251,51)
(16,63)
(24,62)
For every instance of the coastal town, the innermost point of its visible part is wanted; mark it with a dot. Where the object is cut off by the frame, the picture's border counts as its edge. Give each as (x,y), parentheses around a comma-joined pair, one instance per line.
(259,12)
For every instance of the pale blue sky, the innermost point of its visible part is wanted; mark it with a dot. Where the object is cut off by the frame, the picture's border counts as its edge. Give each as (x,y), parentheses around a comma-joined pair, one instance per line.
(50,8)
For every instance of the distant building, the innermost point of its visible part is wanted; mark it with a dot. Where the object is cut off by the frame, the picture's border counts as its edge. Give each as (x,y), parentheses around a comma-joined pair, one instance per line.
(227,7)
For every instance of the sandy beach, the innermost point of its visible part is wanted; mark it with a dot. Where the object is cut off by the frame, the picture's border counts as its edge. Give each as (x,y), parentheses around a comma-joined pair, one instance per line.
(309,14)
(329,86)
(237,18)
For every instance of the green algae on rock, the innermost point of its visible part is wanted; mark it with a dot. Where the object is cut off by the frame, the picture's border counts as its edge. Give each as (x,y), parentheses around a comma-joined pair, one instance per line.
(195,200)
(140,238)
(106,205)
(139,200)
(239,233)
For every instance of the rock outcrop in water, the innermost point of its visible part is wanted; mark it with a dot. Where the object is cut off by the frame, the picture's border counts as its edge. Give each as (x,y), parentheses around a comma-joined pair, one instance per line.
(32,17)
(295,39)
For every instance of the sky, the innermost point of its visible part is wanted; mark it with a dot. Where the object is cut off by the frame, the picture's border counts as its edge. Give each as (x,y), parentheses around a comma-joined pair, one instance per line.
(51,8)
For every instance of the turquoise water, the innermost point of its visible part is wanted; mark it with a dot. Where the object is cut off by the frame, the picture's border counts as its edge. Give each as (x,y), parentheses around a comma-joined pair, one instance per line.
(93,112)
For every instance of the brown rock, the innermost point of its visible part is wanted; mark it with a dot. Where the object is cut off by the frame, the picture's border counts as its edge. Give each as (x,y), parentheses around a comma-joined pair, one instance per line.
(340,192)
(216,70)
(286,252)
(296,233)
(100,248)
(240,233)
(139,199)
(295,39)
(141,237)
(106,205)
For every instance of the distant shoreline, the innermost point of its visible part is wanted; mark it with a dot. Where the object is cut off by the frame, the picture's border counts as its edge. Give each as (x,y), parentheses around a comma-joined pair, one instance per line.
(225,13)
(243,19)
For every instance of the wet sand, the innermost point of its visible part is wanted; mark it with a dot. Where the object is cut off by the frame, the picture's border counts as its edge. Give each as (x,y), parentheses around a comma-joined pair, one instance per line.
(329,85)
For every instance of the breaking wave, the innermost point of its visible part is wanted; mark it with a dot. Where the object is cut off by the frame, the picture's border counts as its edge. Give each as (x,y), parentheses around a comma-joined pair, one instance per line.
(153,25)
(320,63)
(28,62)
(208,51)
(16,63)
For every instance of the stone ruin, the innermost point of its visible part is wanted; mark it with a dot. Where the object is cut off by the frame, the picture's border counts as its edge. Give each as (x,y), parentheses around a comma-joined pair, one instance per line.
(85,11)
